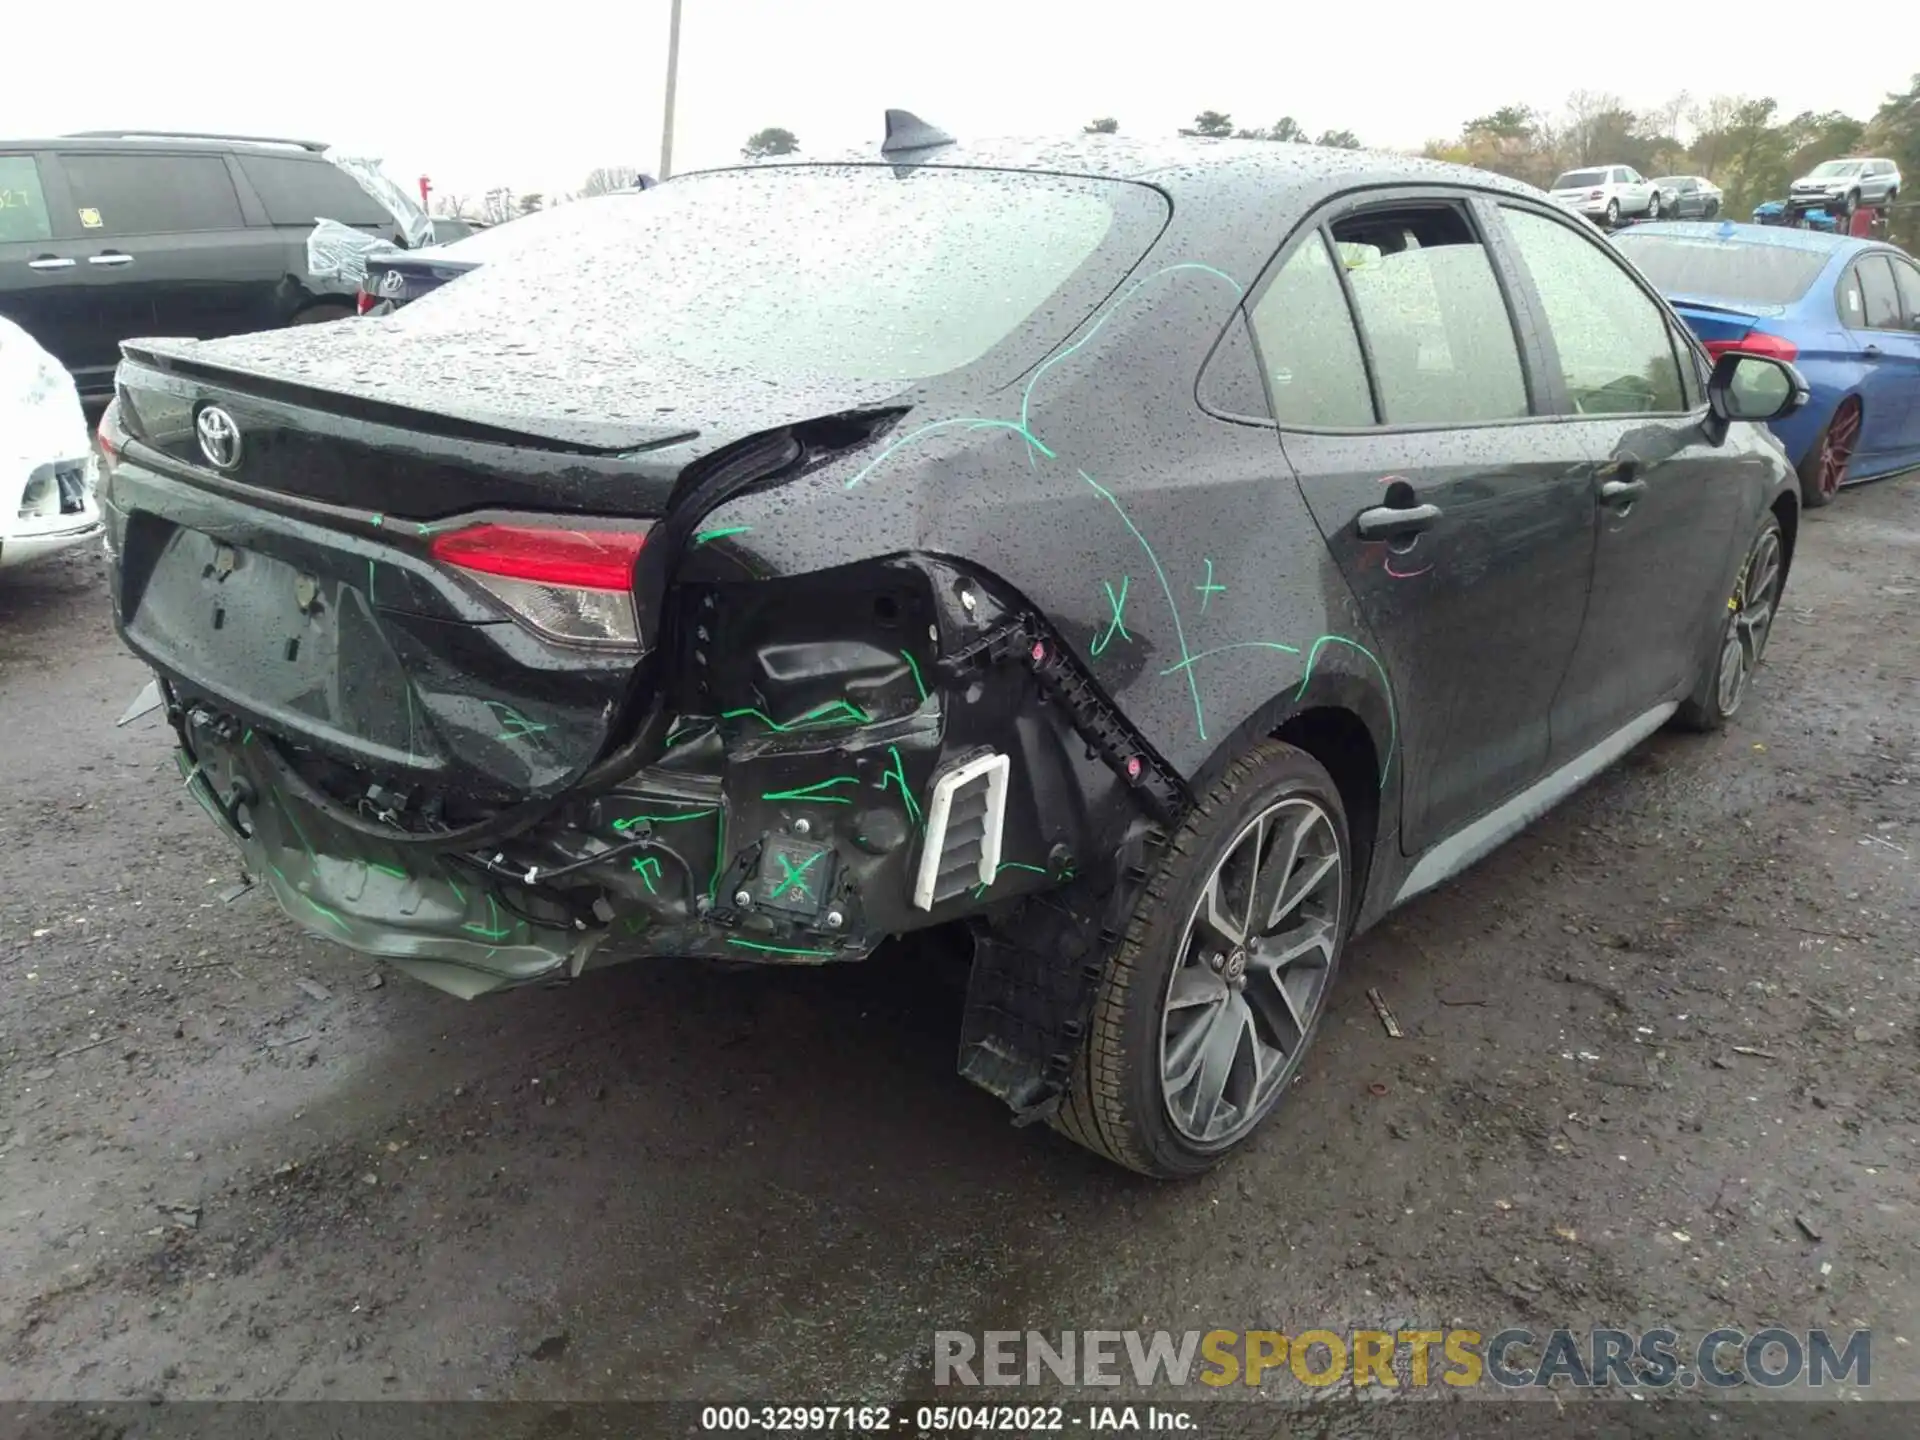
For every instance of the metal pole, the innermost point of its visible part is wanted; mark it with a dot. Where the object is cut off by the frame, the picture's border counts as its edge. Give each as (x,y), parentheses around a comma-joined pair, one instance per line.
(673,77)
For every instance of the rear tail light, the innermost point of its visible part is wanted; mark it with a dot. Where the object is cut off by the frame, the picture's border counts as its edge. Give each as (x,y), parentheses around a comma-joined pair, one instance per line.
(363,302)
(1595,194)
(110,435)
(1754,342)
(574,586)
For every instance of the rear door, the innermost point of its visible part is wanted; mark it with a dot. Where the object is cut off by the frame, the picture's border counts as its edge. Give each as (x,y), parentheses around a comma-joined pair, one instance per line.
(1890,350)
(1669,517)
(165,249)
(41,287)
(1463,532)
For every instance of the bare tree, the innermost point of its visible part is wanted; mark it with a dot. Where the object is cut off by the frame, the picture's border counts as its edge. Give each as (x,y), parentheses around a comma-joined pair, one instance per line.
(610,177)
(774,140)
(1591,116)
(455,207)
(1105,125)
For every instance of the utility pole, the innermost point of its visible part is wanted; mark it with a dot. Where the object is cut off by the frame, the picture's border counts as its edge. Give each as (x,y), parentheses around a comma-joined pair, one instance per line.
(673,77)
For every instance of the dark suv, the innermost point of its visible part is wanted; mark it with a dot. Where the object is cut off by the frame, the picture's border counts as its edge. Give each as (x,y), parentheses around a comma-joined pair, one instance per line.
(107,237)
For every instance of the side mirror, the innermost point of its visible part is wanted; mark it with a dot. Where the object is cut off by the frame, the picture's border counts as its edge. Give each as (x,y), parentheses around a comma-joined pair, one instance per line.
(1751,387)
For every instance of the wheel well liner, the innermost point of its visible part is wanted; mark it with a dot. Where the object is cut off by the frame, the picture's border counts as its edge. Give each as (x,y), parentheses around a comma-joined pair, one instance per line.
(1340,741)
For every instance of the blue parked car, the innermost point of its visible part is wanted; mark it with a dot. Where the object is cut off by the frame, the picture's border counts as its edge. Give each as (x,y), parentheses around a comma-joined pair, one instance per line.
(1845,311)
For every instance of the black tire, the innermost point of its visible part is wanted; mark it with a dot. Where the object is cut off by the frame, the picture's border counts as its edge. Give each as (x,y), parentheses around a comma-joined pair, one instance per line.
(1713,209)
(1853,203)
(1653,206)
(1116,1105)
(321,314)
(1713,701)
(1613,214)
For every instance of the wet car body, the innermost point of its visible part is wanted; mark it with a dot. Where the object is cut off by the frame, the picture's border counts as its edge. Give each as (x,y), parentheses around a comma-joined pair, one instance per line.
(964,646)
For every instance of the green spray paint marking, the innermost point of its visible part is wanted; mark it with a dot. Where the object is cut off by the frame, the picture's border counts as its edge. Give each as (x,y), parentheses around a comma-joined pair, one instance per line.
(1208,589)
(914,665)
(778,949)
(1393,722)
(791,879)
(632,820)
(495,931)
(648,869)
(682,729)
(704,536)
(1118,604)
(1237,645)
(247,739)
(518,726)
(1179,630)
(819,718)
(980,890)
(898,775)
(458,893)
(387,870)
(971,422)
(1313,654)
(315,904)
(813,792)
(635,924)
(304,843)
(1026,397)
(378,519)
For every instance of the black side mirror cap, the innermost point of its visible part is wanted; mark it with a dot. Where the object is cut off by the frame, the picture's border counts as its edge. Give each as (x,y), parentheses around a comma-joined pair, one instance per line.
(1751,387)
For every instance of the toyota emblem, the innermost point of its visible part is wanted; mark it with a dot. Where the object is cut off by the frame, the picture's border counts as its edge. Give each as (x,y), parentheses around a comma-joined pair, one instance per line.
(219,437)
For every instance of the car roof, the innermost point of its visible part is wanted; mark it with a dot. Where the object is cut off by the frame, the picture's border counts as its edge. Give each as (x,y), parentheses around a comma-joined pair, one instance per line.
(155,140)
(1786,237)
(1193,165)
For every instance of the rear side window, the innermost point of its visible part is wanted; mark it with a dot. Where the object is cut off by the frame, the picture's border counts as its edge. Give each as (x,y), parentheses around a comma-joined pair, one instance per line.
(1906,279)
(151,194)
(1436,325)
(1616,350)
(1879,299)
(299,192)
(23,208)
(1308,346)
(1580,179)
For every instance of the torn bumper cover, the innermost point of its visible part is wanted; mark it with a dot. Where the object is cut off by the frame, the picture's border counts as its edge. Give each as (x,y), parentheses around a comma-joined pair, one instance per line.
(847,777)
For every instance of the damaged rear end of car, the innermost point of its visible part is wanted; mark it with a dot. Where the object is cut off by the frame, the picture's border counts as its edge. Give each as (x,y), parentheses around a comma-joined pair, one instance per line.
(471,644)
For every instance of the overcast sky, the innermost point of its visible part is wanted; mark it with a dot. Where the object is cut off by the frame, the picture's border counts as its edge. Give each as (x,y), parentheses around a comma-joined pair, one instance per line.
(533,95)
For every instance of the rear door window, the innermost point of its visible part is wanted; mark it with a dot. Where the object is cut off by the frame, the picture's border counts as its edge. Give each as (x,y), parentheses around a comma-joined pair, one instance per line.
(1879,298)
(1435,322)
(1906,279)
(23,205)
(299,192)
(117,195)
(1308,348)
(1616,350)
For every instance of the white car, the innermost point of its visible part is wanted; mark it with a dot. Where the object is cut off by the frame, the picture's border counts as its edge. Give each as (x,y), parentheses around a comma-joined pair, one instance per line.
(1608,194)
(47,464)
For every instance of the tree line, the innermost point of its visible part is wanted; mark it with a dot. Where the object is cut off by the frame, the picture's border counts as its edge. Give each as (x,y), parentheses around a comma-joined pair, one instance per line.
(1742,143)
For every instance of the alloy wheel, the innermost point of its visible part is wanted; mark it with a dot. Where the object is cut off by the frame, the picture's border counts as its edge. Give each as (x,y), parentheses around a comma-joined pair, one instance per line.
(1836,448)
(1754,606)
(1252,972)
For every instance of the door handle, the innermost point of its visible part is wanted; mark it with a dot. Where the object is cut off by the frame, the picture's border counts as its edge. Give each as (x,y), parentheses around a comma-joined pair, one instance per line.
(111,259)
(1870,352)
(51,262)
(1622,492)
(1384,521)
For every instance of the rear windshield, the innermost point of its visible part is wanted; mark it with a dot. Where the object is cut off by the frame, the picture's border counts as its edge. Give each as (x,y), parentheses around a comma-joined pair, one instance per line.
(1580,179)
(815,272)
(1836,167)
(1708,268)
(559,225)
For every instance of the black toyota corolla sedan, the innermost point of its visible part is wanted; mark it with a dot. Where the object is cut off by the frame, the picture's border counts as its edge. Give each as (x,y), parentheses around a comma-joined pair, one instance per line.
(1163,558)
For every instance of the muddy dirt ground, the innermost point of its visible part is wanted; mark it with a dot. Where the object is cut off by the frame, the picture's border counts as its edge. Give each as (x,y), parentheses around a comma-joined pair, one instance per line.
(1644,1043)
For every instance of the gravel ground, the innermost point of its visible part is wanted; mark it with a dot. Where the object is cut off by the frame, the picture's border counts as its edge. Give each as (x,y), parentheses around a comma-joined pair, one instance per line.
(1660,1064)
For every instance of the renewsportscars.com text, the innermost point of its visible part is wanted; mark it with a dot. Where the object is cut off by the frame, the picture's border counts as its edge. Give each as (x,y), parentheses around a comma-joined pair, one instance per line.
(1413,1359)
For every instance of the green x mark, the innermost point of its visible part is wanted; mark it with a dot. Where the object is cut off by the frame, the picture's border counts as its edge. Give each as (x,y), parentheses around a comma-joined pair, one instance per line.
(791,878)
(648,869)
(1208,589)
(1118,605)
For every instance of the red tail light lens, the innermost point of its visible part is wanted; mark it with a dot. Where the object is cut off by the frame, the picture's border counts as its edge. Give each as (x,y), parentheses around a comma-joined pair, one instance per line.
(1595,194)
(574,586)
(1755,342)
(109,434)
(363,302)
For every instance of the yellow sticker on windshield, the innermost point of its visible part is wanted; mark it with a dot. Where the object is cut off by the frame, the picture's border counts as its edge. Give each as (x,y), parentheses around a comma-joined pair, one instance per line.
(90,217)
